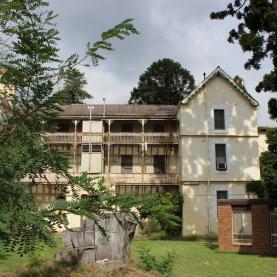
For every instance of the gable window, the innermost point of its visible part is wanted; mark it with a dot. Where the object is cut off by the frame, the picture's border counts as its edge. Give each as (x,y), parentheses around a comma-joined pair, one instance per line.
(219,119)
(126,164)
(127,128)
(220,157)
(242,227)
(159,164)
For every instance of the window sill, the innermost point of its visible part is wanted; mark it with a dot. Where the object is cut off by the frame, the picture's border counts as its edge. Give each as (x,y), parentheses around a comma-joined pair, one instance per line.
(243,244)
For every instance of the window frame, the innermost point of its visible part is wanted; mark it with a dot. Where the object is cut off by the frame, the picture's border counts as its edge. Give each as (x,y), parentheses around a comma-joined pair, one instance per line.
(242,212)
(271,214)
(226,122)
(124,168)
(226,157)
(220,191)
(155,167)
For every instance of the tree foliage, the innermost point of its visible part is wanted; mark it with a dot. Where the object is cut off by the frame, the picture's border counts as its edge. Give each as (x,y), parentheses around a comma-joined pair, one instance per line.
(73,91)
(30,61)
(256,34)
(268,162)
(164,82)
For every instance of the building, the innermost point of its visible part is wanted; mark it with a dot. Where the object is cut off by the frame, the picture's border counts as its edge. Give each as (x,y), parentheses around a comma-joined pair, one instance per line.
(247,226)
(206,147)
(218,146)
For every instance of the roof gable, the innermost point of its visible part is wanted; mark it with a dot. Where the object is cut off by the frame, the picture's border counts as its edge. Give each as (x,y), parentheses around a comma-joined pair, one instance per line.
(222,73)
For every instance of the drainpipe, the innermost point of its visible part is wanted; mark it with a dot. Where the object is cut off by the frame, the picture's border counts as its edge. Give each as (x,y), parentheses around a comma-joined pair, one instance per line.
(209,161)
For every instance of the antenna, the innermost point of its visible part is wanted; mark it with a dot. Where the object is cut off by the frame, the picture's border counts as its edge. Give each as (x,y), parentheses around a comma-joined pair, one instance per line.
(104,110)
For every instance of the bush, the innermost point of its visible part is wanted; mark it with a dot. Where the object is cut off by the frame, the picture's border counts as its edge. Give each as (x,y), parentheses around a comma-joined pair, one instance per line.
(162,228)
(164,265)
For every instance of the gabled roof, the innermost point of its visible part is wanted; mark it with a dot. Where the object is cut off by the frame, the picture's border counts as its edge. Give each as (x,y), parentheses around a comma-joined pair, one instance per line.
(222,73)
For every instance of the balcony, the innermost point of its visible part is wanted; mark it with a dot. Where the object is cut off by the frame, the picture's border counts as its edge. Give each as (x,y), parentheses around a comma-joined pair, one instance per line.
(171,178)
(115,138)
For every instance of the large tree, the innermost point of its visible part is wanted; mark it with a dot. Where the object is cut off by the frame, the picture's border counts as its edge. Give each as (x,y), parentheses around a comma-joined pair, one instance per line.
(257,34)
(30,61)
(165,82)
(73,91)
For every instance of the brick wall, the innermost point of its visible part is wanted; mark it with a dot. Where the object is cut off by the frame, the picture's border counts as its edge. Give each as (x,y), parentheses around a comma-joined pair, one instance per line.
(261,236)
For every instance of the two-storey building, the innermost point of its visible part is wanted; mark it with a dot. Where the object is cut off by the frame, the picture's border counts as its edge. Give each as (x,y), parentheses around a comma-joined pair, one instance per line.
(206,147)
(134,147)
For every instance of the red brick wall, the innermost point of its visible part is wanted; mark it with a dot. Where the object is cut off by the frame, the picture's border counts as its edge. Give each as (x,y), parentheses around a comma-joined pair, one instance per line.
(261,236)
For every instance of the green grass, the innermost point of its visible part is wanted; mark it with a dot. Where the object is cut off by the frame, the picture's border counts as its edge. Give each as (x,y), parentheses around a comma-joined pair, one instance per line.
(193,259)
(201,259)
(11,262)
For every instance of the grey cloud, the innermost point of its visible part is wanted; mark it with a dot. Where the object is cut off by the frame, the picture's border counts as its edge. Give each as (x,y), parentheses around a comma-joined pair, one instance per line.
(177,29)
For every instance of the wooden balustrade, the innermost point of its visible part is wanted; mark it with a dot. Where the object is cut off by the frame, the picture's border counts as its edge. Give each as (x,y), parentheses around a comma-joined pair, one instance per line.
(171,178)
(115,138)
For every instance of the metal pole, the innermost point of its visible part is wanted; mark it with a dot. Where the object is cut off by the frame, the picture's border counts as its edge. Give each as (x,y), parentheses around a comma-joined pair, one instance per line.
(109,134)
(104,110)
(75,122)
(90,135)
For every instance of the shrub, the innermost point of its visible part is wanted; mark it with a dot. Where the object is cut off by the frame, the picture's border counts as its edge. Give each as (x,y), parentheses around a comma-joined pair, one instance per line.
(164,265)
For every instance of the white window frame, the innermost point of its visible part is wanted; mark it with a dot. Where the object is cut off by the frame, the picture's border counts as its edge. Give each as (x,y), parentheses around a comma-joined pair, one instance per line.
(272,234)
(228,155)
(242,243)
(225,119)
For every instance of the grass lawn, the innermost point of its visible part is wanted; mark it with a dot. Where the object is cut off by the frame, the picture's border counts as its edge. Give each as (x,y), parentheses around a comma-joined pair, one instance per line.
(202,259)
(193,259)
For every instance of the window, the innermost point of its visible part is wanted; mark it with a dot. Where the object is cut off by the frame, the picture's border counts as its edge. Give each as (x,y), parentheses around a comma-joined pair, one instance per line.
(219,119)
(220,157)
(242,227)
(273,225)
(63,127)
(222,194)
(159,164)
(126,164)
(158,128)
(90,148)
(127,128)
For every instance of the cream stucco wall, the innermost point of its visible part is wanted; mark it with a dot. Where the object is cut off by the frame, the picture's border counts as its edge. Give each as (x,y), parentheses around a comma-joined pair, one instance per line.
(200,205)
(195,117)
(197,162)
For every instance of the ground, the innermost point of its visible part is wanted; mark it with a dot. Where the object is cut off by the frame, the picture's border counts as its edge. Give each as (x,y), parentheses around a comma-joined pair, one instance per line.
(193,259)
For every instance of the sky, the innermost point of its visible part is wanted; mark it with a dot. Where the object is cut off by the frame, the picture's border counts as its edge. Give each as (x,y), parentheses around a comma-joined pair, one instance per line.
(177,29)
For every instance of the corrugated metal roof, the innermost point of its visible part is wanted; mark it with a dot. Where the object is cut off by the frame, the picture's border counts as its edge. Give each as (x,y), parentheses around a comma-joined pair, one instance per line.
(116,111)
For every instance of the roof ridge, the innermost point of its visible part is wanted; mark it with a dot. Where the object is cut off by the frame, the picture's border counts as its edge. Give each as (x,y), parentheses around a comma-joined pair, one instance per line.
(219,70)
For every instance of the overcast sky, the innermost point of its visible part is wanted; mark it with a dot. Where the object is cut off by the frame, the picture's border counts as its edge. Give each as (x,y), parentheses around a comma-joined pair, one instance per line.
(176,29)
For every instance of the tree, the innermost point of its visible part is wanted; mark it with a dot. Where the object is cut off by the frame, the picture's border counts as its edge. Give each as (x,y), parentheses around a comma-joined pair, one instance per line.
(73,89)
(31,62)
(268,162)
(165,82)
(257,34)
(239,81)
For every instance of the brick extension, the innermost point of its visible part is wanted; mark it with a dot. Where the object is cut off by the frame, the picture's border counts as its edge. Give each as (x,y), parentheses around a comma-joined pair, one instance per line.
(261,235)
